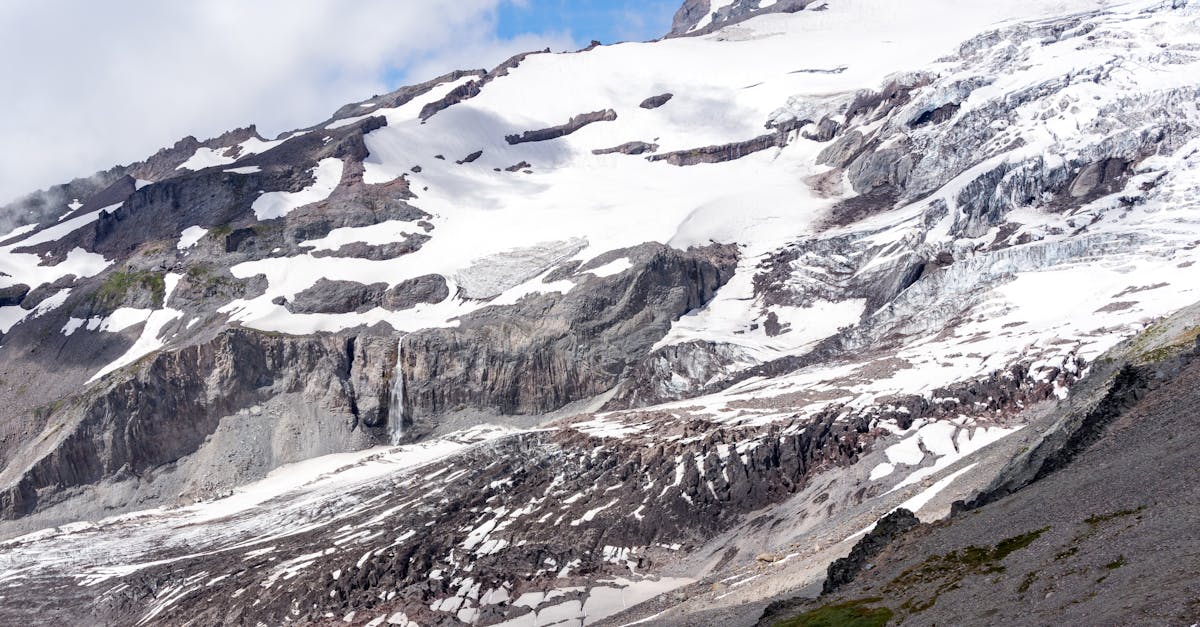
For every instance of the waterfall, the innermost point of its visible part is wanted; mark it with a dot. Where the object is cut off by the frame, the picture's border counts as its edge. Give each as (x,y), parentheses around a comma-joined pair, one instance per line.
(396,400)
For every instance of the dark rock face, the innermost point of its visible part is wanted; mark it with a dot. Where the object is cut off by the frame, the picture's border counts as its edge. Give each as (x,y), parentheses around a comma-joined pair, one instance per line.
(39,294)
(693,11)
(466,91)
(430,288)
(13,294)
(654,102)
(471,89)
(377,252)
(337,297)
(1099,178)
(400,96)
(723,152)
(172,402)
(547,351)
(843,571)
(562,130)
(1077,432)
(165,163)
(689,15)
(628,148)
(471,158)
(892,526)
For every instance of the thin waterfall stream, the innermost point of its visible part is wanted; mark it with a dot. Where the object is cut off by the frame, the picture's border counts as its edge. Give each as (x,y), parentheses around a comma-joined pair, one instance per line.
(396,400)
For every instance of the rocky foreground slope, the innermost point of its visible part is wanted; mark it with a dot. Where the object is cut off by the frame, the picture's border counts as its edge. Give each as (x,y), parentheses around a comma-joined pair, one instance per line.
(1093,526)
(650,329)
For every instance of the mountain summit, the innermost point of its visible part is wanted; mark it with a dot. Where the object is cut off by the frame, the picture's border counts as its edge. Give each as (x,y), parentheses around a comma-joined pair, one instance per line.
(645,332)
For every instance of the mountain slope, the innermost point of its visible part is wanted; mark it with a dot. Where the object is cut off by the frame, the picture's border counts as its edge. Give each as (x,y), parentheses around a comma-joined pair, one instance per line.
(551,338)
(1105,531)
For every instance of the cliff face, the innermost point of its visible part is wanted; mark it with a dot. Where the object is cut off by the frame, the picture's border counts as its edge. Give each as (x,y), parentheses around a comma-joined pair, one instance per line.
(545,352)
(509,344)
(174,402)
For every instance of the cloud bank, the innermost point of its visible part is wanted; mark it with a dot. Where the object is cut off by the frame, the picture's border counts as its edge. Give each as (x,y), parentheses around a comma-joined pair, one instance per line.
(89,84)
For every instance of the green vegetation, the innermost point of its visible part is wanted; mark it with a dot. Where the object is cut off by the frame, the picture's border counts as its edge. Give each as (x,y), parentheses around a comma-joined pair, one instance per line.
(946,572)
(1094,522)
(210,281)
(1016,543)
(970,560)
(1070,552)
(1179,343)
(1026,583)
(45,411)
(848,614)
(116,287)
(1115,564)
(1097,519)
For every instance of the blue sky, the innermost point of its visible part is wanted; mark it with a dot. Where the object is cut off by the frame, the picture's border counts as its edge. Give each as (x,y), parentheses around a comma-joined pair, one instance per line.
(606,20)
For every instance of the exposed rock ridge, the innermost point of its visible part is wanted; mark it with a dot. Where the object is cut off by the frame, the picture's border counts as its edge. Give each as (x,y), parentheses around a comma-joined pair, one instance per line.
(842,571)
(693,12)
(723,152)
(554,132)
(471,89)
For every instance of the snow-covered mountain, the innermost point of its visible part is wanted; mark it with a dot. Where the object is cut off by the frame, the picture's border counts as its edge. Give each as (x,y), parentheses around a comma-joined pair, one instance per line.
(645,329)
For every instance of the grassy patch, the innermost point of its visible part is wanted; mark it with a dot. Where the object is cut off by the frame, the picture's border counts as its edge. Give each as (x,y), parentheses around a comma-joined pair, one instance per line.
(1026,583)
(1115,564)
(1016,543)
(1184,341)
(1096,520)
(946,572)
(1070,552)
(209,281)
(116,287)
(849,614)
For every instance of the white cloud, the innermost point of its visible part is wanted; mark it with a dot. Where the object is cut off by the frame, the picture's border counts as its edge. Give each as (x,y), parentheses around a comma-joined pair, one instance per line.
(90,84)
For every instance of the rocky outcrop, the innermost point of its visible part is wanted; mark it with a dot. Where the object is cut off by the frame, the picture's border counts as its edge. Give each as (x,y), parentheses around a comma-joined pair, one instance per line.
(165,408)
(628,148)
(472,88)
(693,12)
(1078,430)
(377,252)
(654,102)
(890,527)
(430,288)
(471,158)
(547,351)
(337,297)
(723,152)
(1078,542)
(399,97)
(562,130)
(13,294)
(165,163)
